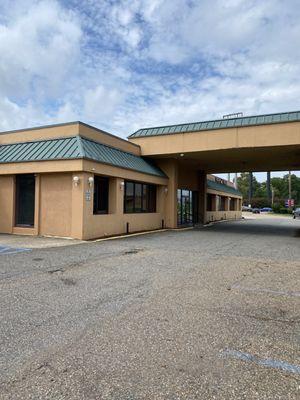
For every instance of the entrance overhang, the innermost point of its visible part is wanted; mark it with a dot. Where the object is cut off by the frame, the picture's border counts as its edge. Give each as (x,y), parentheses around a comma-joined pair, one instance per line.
(271,147)
(282,158)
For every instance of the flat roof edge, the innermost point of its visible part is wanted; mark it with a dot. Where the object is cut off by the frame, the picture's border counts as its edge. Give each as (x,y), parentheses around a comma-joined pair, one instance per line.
(34,128)
(66,124)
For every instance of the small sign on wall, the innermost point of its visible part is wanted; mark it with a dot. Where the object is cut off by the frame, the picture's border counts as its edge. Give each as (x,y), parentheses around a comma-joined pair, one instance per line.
(88,195)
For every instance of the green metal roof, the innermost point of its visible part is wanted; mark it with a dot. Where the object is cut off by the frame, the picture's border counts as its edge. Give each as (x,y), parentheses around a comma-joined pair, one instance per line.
(109,155)
(220,124)
(222,188)
(75,147)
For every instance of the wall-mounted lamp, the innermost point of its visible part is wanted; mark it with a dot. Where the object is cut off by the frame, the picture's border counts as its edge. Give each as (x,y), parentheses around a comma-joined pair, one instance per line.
(122,184)
(166,190)
(76,180)
(90,181)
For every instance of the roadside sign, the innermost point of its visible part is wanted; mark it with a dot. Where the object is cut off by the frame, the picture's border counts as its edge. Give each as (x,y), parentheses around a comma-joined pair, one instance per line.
(289,203)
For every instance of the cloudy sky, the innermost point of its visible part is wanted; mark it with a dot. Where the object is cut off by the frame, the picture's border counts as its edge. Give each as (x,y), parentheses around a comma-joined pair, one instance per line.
(122,65)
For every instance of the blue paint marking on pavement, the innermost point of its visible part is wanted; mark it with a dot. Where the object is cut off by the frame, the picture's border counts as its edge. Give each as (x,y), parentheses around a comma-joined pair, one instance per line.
(265,362)
(4,250)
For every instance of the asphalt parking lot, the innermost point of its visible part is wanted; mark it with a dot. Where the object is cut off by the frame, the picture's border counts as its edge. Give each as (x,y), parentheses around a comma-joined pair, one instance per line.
(208,313)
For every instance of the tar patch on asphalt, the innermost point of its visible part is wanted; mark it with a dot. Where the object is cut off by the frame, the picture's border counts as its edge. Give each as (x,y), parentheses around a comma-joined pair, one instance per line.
(68,281)
(132,251)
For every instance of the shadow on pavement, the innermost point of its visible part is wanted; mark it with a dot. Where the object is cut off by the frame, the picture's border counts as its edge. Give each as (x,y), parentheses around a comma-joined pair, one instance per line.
(288,228)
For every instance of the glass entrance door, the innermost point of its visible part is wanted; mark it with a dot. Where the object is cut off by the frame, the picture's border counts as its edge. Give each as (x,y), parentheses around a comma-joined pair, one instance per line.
(187,210)
(25,200)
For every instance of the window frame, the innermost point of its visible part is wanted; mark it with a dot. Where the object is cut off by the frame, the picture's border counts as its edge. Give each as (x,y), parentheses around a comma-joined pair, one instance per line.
(147,194)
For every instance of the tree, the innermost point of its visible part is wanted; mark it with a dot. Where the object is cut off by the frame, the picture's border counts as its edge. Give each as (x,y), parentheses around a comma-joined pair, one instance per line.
(260,193)
(243,186)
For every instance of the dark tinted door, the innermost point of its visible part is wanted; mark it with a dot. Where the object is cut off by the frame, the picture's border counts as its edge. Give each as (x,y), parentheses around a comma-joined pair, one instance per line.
(25,199)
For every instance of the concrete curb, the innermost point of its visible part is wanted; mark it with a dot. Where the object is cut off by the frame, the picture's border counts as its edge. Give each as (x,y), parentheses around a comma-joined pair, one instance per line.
(139,234)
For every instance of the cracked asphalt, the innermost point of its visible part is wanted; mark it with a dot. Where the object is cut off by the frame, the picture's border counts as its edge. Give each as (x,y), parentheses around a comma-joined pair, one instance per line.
(208,313)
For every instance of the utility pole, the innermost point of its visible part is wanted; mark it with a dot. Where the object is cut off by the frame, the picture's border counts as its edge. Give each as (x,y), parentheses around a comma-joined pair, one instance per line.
(250,187)
(290,185)
(269,191)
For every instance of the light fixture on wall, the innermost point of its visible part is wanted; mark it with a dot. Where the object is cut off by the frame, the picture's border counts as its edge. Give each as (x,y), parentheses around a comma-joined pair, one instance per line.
(76,180)
(122,184)
(166,189)
(90,181)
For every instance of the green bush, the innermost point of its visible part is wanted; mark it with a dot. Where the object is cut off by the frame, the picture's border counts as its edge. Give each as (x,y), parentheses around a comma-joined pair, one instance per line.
(276,207)
(283,210)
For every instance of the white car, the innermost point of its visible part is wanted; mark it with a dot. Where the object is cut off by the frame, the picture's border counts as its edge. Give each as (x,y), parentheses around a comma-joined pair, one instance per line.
(296,213)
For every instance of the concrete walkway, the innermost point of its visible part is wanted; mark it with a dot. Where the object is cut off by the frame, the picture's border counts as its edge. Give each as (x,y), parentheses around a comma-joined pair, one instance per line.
(34,242)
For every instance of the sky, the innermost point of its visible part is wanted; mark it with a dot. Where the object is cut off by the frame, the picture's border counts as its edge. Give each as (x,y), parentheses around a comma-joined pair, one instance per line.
(124,65)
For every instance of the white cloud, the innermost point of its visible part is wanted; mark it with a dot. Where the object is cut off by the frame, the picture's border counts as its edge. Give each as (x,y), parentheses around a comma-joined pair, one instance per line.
(100,102)
(38,49)
(139,63)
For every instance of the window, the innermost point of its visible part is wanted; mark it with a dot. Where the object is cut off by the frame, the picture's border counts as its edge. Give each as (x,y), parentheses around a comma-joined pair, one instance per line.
(25,200)
(101,193)
(218,203)
(232,204)
(209,202)
(222,203)
(129,197)
(139,198)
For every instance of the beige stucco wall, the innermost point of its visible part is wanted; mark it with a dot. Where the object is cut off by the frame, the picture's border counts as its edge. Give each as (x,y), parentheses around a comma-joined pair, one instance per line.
(65,209)
(108,139)
(109,170)
(95,226)
(187,178)
(6,203)
(61,207)
(284,134)
(170,168)
(212,216)
(37,167)
(56,205)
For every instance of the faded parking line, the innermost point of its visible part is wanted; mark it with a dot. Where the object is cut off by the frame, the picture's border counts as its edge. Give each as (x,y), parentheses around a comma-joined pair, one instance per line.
(265,362)
(5,250)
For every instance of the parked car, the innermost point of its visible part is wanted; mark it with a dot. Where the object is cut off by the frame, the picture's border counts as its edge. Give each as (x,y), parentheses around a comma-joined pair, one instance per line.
(296,213)
(266,209)
(246,208)
(256,211)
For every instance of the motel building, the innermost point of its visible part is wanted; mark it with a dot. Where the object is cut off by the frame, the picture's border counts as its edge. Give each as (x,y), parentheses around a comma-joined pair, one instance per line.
(74,180)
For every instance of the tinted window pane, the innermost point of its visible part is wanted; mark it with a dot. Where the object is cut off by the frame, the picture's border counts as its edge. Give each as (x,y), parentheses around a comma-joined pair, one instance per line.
(101,193)
(145,198)
(138,197)
(209,202)
(129,197)
(25,200)
(222,204)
